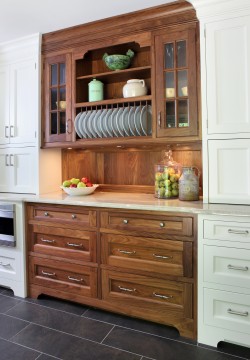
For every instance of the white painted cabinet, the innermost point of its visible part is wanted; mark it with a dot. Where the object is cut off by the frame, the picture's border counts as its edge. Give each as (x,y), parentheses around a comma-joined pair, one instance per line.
(19,103)
(228,76)
(229,171)
(17,170)
(223,279)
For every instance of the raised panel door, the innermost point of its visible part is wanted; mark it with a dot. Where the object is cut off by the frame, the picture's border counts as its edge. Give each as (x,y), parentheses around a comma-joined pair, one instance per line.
(23,102)
(228,77)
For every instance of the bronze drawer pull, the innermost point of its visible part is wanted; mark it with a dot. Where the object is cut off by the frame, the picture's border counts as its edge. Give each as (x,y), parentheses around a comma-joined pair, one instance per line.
(239,232)
(47,241)
(126,289)
(125,221)
(162,224)
(5,265)
(73,216)
(74,279)
(46,213)
(162,296)
(162,256)
(127,252)
(74,245)
(48,274)
(240,313)
(242,268)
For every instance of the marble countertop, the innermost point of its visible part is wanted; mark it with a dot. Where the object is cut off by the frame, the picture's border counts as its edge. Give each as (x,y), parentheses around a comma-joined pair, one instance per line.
(128,201)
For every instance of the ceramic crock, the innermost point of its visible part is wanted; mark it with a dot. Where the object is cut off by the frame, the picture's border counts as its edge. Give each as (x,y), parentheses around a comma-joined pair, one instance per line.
(134,87)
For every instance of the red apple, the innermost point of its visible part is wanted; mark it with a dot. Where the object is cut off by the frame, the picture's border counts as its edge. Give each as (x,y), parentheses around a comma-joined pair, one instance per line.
(89,184)
(85,180)
(73,185)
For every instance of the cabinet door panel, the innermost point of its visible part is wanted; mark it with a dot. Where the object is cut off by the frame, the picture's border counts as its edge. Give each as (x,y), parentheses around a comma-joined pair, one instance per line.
(4,104)
(228,78)
(23,166)
(229,171)
(5,178)
(23,102)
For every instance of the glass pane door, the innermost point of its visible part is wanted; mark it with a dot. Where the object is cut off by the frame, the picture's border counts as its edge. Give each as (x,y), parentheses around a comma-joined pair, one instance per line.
(176,84)
(57,98)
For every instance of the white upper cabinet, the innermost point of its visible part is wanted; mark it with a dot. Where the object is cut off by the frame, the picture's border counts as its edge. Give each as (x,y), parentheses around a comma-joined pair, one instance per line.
(4,103)
(228,76)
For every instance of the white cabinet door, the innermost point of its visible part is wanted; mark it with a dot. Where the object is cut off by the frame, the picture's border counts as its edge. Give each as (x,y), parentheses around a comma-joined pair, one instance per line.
(23,102)
(228,76)
(18,170)
(229,171)
(4,104)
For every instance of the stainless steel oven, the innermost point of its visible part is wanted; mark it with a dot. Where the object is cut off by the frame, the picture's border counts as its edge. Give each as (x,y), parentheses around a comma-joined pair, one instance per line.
(7,225)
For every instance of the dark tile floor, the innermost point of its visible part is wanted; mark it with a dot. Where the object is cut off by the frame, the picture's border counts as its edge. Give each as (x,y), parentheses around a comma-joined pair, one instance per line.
(48,329)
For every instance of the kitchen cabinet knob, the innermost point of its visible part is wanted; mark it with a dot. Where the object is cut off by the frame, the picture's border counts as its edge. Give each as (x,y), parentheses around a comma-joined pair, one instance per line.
(125,221)
(46,213)
(162,224)
(73,216)
(240,313)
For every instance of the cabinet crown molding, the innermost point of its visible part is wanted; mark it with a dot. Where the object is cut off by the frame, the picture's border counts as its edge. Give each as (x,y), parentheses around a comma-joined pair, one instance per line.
(206,9)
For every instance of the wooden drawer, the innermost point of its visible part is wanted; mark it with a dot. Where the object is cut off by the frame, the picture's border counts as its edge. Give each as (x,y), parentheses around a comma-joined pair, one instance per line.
(147,223)
(10,267)
(227,266)
(74,215)
(227,230)
(69,243)
(71,278)
(147,254)
(148,294)
(227,310)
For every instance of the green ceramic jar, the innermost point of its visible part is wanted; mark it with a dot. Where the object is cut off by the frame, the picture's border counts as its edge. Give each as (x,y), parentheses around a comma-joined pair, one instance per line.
(95,90)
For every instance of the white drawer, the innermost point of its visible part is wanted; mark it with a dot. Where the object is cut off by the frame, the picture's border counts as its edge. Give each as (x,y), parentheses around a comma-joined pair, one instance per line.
(227,310)
(227,230)
(227,266)
(10,268)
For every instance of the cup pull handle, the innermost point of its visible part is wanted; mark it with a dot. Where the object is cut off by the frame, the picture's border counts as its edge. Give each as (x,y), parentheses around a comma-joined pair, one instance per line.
(240,313)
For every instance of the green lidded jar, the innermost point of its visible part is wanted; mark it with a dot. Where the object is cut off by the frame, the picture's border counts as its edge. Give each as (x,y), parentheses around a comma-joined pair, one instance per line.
(95,90)
(167,175)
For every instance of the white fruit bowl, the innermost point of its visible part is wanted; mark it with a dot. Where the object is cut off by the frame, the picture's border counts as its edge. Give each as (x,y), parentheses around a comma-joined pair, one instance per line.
(79,191)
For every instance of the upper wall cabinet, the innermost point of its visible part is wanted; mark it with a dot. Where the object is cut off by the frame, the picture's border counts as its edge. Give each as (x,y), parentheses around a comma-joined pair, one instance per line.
(152,100)
(228,76)
(18,102)
(176,90)
(58,125)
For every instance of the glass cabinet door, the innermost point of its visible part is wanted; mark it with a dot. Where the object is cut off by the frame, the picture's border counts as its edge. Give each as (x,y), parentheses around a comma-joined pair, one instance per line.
(176,94)
(58,124)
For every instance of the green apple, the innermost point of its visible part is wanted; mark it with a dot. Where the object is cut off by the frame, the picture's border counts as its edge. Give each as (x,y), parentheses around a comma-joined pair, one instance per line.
(66,183)
(81,184)
(158,176)
(74,181)
(173,178)
(167,183)
(175,185)
(161,184)
(168,193)
(161,192)
(175,192)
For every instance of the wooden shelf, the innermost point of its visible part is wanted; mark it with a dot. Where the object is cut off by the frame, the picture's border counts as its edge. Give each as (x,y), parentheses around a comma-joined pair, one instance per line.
(114,101)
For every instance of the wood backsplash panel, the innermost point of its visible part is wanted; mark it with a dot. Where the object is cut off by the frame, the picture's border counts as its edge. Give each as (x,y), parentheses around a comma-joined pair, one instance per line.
(124,167)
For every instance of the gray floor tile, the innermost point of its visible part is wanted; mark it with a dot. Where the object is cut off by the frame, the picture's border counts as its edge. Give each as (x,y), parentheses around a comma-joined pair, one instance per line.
(68,347)
(59,320)
(10,326)
(58,304)
(10,351)
(47,357)
(7,303)
(159,348)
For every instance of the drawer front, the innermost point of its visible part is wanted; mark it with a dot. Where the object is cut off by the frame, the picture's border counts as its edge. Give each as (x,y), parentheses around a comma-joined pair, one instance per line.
(147,254)
(68,243)
(10,267)
(175,225)
(227,310)
(147,293)
(227,230)
(71,278)
(227,266)
(73,216)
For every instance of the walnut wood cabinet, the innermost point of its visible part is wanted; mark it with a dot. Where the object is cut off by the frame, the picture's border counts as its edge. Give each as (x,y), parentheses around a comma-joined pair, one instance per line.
(165,41)
(138,263)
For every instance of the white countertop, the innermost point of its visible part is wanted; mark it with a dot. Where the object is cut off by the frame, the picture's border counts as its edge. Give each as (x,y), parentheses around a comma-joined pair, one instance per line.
(134,201)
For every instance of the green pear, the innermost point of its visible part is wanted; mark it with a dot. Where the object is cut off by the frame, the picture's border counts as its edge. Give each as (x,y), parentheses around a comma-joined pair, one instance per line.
(74,181)
(66,183)
(81,184)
